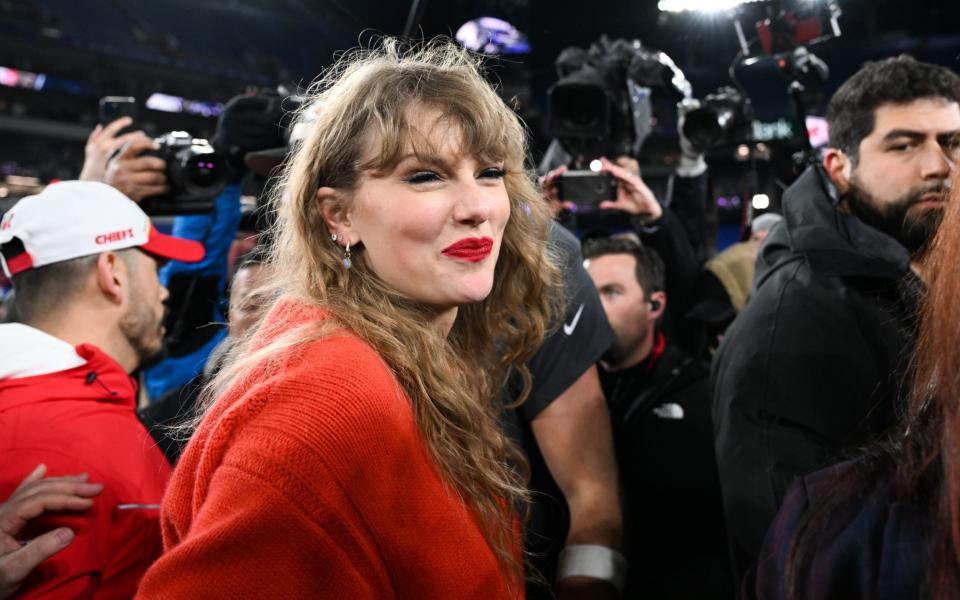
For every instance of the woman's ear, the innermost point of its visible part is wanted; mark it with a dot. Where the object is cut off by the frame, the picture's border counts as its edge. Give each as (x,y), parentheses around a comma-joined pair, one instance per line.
(334,211)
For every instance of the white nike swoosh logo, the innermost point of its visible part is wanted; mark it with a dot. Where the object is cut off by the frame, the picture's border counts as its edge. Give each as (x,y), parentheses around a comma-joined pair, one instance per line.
(569,327)
(669,411)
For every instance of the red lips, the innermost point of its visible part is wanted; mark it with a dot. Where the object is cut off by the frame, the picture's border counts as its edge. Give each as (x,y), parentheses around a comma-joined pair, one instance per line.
(469,249)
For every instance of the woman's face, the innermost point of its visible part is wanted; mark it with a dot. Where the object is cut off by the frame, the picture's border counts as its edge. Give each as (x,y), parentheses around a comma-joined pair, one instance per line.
(432,227)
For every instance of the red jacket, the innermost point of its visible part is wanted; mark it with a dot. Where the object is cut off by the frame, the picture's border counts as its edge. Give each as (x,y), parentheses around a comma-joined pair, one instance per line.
(309,478)
(81,419)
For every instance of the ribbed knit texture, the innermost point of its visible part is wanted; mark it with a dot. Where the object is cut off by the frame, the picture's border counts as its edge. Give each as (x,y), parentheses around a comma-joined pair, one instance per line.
(311,480)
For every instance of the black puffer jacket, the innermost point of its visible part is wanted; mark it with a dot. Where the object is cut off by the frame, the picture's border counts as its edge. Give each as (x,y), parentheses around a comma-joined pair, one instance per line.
(813,366)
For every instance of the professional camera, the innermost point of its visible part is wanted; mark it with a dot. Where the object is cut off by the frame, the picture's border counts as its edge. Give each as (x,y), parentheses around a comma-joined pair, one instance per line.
(195,173)
(724,118)
(601,105)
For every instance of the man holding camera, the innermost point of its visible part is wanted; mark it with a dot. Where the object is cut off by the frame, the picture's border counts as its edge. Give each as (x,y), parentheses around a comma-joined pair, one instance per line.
(814,365)
(656,226)
(580,412)
(83,260)
(126,162)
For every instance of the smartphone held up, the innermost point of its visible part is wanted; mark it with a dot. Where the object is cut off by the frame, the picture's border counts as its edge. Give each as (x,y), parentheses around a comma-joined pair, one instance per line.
(586,189)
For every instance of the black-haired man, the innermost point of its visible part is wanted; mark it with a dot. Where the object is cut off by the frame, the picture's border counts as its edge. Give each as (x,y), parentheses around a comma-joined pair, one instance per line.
(813,366)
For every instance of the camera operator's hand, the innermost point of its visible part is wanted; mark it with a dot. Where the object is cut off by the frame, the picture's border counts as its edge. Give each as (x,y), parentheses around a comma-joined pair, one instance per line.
(34,496)
(685,107)
(692,163)
(248,124)
(633,195)
(551,191)
(102,143)
(137,176)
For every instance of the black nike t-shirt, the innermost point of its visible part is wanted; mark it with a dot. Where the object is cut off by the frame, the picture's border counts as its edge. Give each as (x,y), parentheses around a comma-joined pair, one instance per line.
(564,356)
(577,344)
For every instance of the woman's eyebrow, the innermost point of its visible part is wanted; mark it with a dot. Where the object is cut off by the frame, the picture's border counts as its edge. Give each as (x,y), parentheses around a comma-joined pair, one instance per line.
(426,158)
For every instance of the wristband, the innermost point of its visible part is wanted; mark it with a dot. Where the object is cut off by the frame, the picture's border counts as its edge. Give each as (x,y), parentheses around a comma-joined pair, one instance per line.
(691,166)
(591,560)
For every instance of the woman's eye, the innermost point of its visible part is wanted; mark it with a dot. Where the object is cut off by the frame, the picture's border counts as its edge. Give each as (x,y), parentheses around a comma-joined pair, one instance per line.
(493,173)
(422,177)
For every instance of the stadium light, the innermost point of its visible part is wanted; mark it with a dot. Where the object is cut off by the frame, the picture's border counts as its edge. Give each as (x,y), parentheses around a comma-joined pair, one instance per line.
(704,6)
(491,35)
(761,201)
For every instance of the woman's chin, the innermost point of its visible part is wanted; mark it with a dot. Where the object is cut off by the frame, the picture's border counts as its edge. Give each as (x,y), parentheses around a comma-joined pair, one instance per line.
(475,291)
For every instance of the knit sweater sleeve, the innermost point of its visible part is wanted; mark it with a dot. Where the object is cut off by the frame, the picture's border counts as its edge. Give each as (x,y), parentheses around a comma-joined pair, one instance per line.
(264,502)
(252,540)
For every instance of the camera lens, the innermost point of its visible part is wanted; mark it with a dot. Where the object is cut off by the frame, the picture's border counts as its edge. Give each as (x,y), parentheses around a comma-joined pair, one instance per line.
(195,170)
(703,127)
(203,171)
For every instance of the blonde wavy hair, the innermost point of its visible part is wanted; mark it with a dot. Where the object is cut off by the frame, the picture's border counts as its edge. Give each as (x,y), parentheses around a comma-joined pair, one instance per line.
(365,97)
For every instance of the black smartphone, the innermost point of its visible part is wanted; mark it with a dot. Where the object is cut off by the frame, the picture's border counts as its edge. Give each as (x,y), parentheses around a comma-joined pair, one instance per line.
(114,107)
(587,189)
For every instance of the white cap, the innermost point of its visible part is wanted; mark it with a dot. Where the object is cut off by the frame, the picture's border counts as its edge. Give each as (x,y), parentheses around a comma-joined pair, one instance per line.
(71,219)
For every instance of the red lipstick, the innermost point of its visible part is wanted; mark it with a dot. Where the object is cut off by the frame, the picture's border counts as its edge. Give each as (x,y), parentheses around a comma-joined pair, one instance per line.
(469,249)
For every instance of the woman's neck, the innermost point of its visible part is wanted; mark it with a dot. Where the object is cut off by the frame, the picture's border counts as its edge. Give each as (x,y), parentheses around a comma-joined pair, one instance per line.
(443,320)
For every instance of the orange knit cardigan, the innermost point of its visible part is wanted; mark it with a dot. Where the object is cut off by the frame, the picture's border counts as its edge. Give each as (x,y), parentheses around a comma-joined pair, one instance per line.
(312,480)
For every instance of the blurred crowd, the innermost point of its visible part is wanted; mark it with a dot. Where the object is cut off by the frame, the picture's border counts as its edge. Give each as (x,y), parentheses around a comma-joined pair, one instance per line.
(418,369)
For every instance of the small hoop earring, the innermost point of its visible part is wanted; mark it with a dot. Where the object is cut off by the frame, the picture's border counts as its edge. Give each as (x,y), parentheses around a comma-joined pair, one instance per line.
(347,263)
(333,237)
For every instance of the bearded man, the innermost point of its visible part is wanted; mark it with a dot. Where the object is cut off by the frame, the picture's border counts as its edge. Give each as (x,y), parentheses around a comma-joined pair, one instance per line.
(83,260)
(814,365)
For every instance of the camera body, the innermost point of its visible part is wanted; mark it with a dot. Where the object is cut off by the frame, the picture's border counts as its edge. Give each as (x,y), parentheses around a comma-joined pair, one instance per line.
(195,173)
(601,104)
(723,119)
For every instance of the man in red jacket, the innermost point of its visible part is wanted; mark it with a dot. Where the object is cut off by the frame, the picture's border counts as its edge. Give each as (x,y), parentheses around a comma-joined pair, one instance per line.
(83,260)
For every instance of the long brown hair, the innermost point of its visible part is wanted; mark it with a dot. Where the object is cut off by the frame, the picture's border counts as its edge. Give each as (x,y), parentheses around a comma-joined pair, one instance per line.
(920,460)
(365,96)
(931,447)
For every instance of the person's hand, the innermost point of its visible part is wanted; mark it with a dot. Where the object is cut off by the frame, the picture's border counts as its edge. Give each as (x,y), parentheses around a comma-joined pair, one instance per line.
(137,176)
(684,108)
(102,143)
(692,163)
(34,496)
(633,195)
(551,191)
